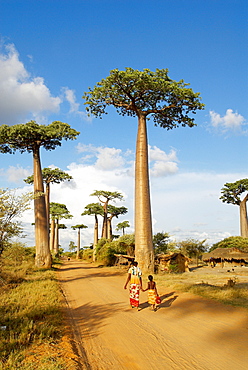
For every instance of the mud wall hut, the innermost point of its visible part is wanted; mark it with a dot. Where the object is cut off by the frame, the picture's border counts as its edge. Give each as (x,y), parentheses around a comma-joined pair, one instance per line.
(175,262)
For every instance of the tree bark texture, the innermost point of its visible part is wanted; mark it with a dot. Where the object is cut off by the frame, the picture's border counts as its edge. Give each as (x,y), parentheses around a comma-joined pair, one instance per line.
(43,255)
(95,238)
(52,236)
(243,217)
(144,253)
(56,238)
(78,244)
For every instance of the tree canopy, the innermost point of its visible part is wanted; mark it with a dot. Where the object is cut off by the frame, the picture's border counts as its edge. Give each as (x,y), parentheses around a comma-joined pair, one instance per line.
(26,137)
(152,93)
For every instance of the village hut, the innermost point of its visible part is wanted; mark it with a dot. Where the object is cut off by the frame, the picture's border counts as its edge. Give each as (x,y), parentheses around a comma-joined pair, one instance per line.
(225,257)
(175,262)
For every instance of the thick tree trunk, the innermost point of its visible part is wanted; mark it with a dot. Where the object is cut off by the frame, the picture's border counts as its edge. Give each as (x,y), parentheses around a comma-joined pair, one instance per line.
(243,218)
(105,221)
(43,256)
(144,253)
(78,244)
(110,234)
(52,236)
(56,238)
(95,238)
(47,199)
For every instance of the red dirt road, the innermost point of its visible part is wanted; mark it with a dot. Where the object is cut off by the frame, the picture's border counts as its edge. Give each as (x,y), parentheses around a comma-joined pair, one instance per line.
(187,332)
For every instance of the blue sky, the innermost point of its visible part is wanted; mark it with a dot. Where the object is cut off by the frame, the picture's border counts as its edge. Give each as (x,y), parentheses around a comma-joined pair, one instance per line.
(51,52)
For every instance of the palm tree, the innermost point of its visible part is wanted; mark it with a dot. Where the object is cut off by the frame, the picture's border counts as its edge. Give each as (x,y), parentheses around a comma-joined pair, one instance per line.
(141,94)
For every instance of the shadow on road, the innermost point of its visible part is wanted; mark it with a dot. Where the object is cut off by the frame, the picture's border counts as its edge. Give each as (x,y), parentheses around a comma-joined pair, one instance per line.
(163,303)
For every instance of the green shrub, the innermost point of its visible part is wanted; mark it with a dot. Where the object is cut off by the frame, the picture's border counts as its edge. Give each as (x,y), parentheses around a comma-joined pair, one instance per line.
(232,242)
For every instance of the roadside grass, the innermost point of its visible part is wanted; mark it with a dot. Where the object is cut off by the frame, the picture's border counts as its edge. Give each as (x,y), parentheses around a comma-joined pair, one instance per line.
(212,286)
(33,332)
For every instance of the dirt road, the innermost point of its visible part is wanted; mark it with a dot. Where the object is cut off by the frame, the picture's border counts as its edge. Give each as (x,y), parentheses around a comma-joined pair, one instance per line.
(187,332)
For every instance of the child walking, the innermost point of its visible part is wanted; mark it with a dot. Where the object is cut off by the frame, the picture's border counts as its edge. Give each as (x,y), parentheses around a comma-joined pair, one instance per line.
(152,292)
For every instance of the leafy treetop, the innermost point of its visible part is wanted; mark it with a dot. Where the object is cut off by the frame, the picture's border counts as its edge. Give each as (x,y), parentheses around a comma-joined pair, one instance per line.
(31,135)
(51,175)
(231,191)
(135,93)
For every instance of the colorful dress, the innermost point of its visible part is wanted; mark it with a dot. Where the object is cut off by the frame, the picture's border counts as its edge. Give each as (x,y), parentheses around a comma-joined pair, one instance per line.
(152,296)
(134,285)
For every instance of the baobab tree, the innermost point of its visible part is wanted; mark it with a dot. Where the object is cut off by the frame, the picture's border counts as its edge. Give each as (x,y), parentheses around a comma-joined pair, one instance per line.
(50,176)
(142,94)
(114,212)
(78,228)
(30,137)
(122,226)
(231,193)
(58,211)
(94,209)
(104,198)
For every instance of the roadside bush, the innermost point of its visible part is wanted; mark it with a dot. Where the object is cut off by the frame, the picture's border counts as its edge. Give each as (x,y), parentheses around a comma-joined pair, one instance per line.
(232,242)
(87,254)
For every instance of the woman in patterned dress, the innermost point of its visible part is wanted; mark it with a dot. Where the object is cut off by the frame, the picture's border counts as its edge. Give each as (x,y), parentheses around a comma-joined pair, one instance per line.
(135,280)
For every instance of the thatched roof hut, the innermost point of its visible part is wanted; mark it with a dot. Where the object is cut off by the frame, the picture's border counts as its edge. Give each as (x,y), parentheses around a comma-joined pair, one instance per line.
(226,257)
(175,262)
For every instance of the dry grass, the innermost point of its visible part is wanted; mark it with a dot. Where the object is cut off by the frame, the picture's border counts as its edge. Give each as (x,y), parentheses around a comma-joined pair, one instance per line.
(33,332)
(211,284)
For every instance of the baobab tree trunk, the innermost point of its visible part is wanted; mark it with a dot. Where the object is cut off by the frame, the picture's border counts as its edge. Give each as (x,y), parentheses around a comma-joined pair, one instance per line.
(105,221)
(144,253)
(78,244)
(56,238)
(52,235)
(95,238)
(43,256)
(243,218)
(47,199)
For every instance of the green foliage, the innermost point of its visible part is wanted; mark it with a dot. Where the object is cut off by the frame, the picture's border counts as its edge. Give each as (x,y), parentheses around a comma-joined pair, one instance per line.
(93,209)
(81,226)
(122,226)
(192,247)
(232,242)
(72,246)
(161,242)
(105,249)
(106,196)
(132,92)
(11,207)
(51,175)
(59,211)
(25,137)
(231,192)
(87,254)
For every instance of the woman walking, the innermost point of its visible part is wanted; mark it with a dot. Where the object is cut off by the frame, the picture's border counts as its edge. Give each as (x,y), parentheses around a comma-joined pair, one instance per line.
(135,280)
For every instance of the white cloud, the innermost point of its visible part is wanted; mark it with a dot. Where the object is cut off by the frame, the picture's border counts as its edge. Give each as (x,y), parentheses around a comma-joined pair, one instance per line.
(162,164)
(18,173)
(74,106)
(22,97)
(230,122)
